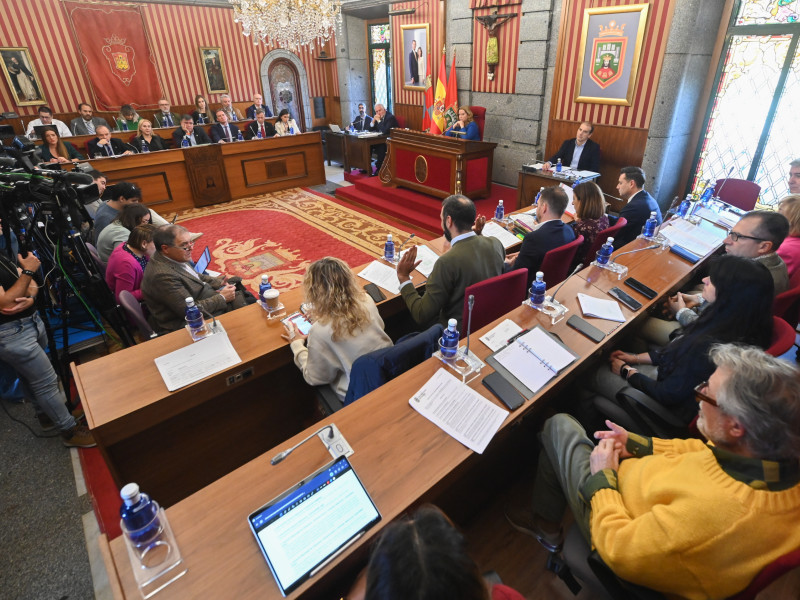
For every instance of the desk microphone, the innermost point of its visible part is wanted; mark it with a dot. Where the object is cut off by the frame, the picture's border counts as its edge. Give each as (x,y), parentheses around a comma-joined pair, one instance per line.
(614,197)
(404,243)
(558,289)
(130,147)
(470,304)
(653,247)
(724,181)
(280,456)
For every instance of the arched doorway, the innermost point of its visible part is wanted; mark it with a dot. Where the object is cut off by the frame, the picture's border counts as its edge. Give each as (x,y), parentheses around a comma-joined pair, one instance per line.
(285,85)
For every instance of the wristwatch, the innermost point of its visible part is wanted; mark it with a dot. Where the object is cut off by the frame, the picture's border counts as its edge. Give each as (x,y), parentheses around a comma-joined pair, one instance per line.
(28,272)
(625,371)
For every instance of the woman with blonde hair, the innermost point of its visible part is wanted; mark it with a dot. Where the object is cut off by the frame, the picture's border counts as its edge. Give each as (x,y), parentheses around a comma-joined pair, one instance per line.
(146,136)
(345,325)
(465,128)
(789,250)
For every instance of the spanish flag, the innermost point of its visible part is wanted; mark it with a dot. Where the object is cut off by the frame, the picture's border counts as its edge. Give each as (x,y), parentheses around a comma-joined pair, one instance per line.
(438,124)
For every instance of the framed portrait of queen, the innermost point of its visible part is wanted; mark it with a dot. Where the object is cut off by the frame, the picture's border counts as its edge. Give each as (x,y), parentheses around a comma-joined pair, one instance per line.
(21,76)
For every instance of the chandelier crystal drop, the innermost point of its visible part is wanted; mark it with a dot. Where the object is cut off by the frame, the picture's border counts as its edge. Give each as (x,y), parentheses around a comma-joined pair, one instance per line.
(289,23)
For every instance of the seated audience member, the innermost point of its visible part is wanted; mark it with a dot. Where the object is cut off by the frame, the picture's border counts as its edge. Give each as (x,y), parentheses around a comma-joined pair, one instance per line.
(758,235)
(222,131)
(639,205)
(233,113)
(105,145)
(125,268)
(260,125)
(196,135)
(345,325)
(128,118)
(579,152)
(164,117)
(362,119)
(465,128)
(258,103)
(740,295)
(794,177)
(55,150)
(86,124)
(591,218)
(117,231)
(470,259)
(682,517)
(286,124)
(789,250)
(146,136)
(383,122)
(551,233)
(22,346)
(202,115)
(46,118)
(169,279)
(424,557)
(119,195)
(101,181)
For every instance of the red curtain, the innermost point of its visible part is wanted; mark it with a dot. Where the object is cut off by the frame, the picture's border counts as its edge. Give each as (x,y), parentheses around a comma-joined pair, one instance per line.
(116,54)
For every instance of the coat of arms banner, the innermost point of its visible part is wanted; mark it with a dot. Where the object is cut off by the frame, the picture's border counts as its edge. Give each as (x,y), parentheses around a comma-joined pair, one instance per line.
(116,53)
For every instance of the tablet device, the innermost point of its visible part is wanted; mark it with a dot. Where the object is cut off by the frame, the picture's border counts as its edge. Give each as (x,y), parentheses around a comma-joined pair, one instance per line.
(202,263)
(307,526)
(299,319)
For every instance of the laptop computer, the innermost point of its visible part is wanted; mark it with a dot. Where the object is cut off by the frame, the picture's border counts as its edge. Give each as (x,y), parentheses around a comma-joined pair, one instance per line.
(202,263)
(335,128)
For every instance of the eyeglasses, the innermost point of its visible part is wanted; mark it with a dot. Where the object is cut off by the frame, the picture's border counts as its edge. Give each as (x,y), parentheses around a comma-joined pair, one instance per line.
(184,247)
(700,396)
(737,236)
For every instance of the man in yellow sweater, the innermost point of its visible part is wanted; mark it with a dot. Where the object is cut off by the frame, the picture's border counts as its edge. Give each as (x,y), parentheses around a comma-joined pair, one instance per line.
(688,519)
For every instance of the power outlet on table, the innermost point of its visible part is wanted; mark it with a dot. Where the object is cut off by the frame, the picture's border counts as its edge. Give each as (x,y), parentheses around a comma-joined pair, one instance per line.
(240,376)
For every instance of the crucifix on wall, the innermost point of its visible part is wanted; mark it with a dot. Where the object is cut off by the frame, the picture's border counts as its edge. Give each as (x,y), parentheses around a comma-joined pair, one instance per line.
(491,23)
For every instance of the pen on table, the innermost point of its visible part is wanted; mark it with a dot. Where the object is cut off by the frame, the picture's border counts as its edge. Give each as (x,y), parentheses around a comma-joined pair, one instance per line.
(520,334)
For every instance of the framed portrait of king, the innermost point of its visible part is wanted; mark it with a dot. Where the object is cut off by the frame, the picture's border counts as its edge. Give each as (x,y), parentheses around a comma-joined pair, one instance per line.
(21,76)
(415,55)
(610,49)
(214,70)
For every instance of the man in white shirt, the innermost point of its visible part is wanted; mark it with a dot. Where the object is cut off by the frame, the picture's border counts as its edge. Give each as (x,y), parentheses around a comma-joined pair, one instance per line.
(46,118)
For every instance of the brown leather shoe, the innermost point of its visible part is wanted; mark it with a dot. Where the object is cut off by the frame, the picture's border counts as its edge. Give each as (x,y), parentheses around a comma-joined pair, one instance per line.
(78,437)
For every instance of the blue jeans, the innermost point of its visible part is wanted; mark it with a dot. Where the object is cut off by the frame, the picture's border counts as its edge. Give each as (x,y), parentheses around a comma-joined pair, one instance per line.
(22,344)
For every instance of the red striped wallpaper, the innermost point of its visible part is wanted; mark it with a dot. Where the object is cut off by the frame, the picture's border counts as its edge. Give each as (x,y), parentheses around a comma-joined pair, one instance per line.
(176,32)
(638,114)
(505,74)
(429,12)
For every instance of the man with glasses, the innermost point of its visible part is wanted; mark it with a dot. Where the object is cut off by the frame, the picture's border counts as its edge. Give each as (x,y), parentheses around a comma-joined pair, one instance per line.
(683,517)
(758,235)
(46,118)
(164,117)
(169,279)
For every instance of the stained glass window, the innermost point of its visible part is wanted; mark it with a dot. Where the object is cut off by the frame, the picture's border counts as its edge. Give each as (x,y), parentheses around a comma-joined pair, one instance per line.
(380,64)
(380,34)
(380,77)
(765,12)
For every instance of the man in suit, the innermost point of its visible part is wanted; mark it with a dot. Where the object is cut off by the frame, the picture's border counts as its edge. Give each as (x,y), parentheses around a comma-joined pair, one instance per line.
(222,131)
(383,122)
(233,113)
(551,233)
(260,125)
(169,279)
(46,118)
(196,135)
(105,145)
(86,124)
(164,117)
(413,65)
(258,102)
(470,259)
(362,120)
(639,205)
(579,153)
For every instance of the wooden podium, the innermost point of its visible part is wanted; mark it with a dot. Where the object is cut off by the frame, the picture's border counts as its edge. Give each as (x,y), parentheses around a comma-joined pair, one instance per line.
(438,165)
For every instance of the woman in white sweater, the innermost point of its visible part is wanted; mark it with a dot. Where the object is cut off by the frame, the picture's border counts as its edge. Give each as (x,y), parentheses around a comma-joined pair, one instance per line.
(345,325)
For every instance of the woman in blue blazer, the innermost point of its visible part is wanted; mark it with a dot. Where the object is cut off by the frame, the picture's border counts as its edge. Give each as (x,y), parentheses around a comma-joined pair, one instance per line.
(465,128)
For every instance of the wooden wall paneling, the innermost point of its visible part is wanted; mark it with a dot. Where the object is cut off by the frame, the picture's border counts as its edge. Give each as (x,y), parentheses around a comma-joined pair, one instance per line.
(412,113)
(207,176)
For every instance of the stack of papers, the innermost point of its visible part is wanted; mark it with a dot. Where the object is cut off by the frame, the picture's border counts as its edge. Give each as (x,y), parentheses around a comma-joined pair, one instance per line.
(601,309)
(695,240)
(492,229)
(427,256)
(499,336)
(197,361)
(381,275)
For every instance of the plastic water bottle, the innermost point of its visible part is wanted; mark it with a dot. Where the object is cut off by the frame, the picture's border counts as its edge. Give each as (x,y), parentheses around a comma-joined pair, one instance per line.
(145,146)
(291,130)
(200,120)
(500,211)
(683,209)
(650,225)
(265,286)
(351,129)
(539,195)
(258,135)
(194,318)
(450,338)
(124,125)
(605,252)
(538,289)
(708,193)
(388,249)
(185,142)
(240,138)
(139,515)
(559,166)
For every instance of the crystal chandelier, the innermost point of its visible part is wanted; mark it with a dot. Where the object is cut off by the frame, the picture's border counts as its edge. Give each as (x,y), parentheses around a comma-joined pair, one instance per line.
(289,23)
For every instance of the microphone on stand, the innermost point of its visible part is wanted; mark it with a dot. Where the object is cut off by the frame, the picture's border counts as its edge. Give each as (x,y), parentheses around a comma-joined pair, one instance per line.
(614,258)
(470,304)
(404,243)
(280,456)
(558,289)
(724,181)
(614,197)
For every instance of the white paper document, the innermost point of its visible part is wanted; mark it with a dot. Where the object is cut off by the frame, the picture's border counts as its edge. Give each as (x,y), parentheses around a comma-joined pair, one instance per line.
(534,359)
(506,238)
(694,240)
(381,275)
(427,256)
(197,361)
(726,218)
(570,210)
(458,410)
(499,336)
(602,309)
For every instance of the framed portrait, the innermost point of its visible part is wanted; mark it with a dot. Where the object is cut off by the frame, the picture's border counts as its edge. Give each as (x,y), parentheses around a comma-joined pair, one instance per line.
(21,76)
(415,55)
(611,45)
(214,70)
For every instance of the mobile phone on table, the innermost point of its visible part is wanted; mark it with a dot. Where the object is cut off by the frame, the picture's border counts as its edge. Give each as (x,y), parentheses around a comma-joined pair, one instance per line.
(505,392)
(586,328)
(645,291)
(374,292)
(627,300)
(299,319)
